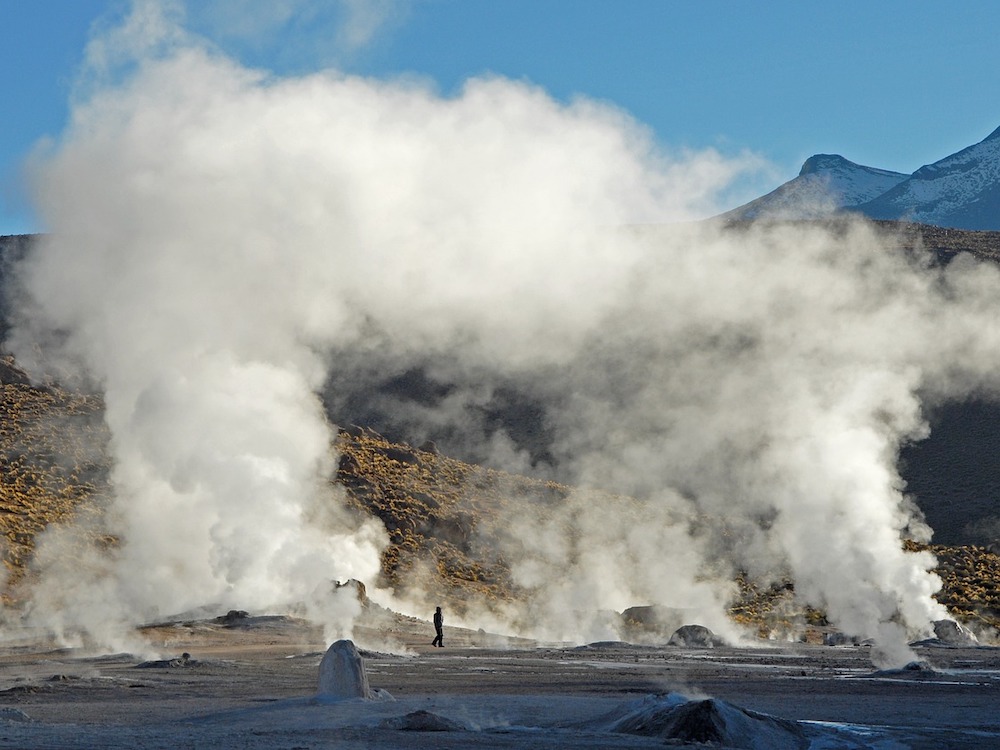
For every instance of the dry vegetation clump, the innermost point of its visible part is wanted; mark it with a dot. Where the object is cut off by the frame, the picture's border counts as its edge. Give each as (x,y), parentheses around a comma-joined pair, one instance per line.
(970,582)
(970,590)
(52,461)
(771,610)
(946,242)
(434,509)
(774,612)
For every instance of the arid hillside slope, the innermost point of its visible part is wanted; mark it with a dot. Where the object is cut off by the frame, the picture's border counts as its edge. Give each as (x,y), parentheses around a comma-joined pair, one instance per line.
(54,469)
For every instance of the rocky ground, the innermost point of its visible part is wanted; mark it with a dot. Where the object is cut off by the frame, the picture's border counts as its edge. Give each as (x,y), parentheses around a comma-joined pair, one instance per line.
(252,682)
(945,241)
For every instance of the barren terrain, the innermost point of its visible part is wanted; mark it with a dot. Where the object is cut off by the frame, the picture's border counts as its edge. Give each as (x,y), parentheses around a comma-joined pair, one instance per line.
(251,683)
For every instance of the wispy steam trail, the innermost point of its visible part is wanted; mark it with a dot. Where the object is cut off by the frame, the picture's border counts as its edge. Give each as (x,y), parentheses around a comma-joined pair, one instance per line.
(224,243)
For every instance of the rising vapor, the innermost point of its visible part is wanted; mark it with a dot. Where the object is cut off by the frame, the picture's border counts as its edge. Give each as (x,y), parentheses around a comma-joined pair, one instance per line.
(225,245)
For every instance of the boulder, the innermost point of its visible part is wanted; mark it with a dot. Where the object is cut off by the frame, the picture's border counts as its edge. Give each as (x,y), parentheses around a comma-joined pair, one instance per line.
(653,620)
(694,636)
(953,634)
(185,660)
(13,714)
(342,673)
(11,374)
(358,588)
(839,639)
(914,670)
(422,721)
(233,616)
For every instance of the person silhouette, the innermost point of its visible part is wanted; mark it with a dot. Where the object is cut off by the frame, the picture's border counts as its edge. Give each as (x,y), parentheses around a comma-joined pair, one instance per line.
(438,628)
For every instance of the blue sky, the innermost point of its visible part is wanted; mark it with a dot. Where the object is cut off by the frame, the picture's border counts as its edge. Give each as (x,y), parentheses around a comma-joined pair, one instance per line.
(889,83)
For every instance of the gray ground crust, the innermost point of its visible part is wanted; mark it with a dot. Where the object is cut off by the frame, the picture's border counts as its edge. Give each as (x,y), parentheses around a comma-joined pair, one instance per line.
(254,686)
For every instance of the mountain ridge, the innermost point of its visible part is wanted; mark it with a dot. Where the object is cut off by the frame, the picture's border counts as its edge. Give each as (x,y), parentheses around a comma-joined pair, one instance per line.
(961,191)
(825,183)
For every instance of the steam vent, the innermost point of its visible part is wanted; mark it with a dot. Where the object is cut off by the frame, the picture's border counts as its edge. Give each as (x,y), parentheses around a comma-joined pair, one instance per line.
(458,530)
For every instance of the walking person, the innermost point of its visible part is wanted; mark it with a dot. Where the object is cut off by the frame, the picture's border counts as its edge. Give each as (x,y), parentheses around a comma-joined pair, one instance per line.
(438,628)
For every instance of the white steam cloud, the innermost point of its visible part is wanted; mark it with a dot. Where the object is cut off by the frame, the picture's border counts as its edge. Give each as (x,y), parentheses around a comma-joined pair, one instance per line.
(223,243)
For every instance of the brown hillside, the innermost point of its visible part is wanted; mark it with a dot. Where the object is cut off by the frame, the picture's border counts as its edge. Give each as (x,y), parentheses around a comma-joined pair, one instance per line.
(52,461)
(52,467)
(944,241)
(432,506)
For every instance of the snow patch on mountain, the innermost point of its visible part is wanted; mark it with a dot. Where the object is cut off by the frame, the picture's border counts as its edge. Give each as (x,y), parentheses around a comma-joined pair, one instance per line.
(961,190)
(825,184)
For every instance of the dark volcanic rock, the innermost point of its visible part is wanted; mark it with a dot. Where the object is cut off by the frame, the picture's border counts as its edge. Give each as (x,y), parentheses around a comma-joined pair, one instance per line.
(694,636)
(11,374)
(184,660)
(654,618)
(953,634)
(914,670)
(953,475)
(422,721)
(355,586)
(233,616)
(712,722)
(839,639)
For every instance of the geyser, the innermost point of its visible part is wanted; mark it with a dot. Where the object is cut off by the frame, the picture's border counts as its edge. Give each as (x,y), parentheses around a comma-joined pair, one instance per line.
(342,673)
(254,239)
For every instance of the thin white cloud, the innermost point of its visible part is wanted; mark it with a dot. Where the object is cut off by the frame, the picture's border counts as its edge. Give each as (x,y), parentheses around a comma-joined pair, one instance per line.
(302,33)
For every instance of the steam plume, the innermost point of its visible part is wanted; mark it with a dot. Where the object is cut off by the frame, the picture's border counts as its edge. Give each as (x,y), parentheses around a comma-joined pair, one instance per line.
(224,243)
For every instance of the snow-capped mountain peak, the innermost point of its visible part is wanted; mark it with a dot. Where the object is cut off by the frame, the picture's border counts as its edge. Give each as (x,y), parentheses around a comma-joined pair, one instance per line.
(958,161)
(825,184)
(961,190)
